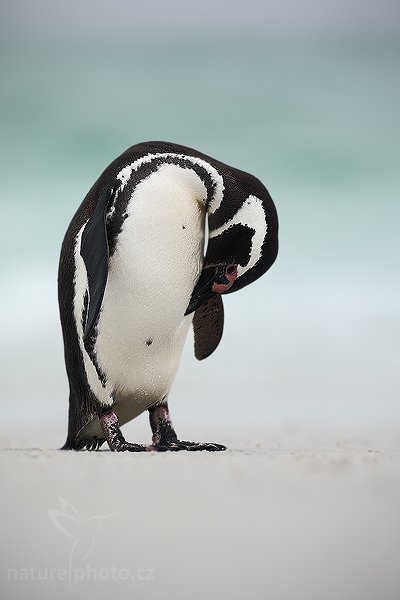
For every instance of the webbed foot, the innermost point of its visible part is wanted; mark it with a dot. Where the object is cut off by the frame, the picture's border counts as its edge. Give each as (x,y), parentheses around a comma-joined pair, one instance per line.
(124,446)
(165,438)
(175,446)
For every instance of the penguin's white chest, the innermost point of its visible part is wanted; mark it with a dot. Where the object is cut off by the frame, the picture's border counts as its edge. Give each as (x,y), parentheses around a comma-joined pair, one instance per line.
(152,273)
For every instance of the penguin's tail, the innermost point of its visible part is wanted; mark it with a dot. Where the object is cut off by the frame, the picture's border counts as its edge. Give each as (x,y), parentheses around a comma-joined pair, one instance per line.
(79,415)
(84,444)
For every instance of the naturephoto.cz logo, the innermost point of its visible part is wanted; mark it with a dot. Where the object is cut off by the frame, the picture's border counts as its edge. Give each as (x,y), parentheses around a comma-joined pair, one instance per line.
(83,533)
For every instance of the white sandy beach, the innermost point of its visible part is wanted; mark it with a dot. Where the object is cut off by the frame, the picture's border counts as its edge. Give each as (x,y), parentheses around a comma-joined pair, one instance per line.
(283,514)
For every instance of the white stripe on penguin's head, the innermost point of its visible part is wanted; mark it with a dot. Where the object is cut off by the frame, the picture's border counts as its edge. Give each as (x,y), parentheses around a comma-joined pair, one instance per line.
(252,215)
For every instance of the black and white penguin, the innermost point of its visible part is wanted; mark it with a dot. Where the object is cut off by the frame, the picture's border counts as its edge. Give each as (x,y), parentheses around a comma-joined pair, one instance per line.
(133,276)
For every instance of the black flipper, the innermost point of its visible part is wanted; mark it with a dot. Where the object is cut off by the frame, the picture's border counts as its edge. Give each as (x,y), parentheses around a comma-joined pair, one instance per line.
(208,326)
(94,251)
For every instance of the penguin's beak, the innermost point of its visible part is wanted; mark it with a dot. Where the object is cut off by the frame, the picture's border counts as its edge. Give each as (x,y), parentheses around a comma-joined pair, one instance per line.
(225,279)
(214,279)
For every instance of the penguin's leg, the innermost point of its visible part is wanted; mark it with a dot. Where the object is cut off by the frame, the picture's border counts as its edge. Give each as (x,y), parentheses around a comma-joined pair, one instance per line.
(113,434)
(164,436)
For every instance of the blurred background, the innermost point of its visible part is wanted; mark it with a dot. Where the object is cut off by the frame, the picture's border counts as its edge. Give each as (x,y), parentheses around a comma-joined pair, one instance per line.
(303,94)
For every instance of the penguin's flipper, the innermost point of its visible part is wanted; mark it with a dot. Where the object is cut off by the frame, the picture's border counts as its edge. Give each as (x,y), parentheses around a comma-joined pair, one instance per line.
(94,251)
(208,326)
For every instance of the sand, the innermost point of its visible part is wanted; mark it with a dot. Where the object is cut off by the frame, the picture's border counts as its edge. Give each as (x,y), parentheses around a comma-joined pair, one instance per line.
(283,514)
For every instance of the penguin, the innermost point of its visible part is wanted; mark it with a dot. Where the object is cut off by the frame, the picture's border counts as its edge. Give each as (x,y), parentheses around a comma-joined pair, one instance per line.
(134,273)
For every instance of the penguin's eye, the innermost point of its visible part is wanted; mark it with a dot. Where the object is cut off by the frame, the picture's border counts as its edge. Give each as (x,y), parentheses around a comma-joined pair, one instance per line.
(230,269)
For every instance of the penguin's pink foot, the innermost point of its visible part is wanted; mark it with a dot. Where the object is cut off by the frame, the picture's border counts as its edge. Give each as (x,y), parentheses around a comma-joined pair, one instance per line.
(124,446)
(165,438)
(115,439)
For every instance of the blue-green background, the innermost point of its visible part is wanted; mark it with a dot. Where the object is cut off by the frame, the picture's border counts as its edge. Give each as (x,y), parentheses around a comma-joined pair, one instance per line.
(305,95)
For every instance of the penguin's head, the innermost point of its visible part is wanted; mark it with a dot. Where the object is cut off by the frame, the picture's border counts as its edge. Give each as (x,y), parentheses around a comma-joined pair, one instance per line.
(243,238)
